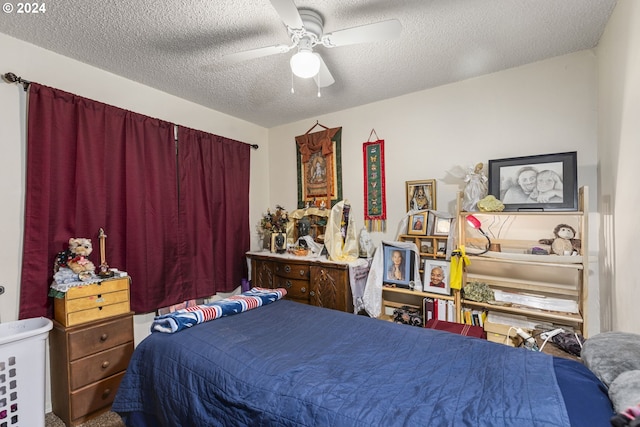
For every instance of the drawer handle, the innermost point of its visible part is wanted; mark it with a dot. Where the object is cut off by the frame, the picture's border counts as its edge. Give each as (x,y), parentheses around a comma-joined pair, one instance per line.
(104,337)
(313,294)
(287,269)
(303,290)
(288,284)
(105,364)
(106,393)
(302,272)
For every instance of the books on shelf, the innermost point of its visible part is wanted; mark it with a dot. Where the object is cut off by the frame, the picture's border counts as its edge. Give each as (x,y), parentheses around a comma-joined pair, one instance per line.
(439,309)
(474,317)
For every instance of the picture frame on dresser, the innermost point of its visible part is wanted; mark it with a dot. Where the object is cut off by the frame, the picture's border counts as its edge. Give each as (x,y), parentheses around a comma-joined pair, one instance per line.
(436,277)
(398,266)
(547,182)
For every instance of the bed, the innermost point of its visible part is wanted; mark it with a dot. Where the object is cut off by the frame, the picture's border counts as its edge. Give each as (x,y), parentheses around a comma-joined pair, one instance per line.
(290,364)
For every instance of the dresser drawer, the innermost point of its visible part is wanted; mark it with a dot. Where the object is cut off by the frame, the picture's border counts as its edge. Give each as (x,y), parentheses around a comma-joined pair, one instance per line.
(86,341)
(100,365)
(296,289)
(96,301)
(95,396)
(106,286)
(97,313)
(292,271)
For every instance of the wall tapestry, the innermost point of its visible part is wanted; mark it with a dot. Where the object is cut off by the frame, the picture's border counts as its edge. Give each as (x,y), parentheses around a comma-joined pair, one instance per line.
(319,167)
(375,205)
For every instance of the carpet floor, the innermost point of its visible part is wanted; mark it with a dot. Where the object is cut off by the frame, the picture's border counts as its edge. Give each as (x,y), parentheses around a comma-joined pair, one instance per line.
(108,419)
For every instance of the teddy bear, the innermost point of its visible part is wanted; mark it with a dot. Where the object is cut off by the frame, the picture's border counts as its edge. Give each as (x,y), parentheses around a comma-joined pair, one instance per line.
(564,242)
(75,258)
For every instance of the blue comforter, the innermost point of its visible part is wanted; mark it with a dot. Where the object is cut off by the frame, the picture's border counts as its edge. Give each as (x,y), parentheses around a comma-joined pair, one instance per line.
(288,364)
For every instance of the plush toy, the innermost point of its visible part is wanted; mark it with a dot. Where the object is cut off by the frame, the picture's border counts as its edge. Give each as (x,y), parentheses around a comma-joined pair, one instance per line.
(75,258)
(564,242)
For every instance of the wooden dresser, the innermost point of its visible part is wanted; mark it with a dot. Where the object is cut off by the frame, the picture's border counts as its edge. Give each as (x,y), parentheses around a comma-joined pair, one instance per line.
(310,281)
(90,346)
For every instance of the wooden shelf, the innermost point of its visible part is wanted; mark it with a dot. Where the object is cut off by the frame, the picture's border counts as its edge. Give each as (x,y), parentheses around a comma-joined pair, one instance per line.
(525,285)
(527,311)
(415,293)
(515,270)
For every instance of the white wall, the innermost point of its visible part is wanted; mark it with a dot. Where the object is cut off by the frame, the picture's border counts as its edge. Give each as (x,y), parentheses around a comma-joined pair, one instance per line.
(619,130)
(38,65)
(545,107)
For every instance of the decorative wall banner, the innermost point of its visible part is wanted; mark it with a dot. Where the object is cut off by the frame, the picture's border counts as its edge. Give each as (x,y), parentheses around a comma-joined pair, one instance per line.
(319,167)
(375,205)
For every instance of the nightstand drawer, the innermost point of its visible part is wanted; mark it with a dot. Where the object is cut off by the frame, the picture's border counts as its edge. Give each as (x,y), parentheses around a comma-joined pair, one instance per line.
(109,285)
(94,397)
(292,271)
(96,301)
(97,313)
(102,337)
(101,365)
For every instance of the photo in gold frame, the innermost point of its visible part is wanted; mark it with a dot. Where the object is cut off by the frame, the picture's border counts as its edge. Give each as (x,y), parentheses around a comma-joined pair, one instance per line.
(421,194)
(417,224)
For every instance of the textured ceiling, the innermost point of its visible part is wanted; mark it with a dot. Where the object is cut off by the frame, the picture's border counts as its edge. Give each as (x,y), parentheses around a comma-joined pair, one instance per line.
(177,46)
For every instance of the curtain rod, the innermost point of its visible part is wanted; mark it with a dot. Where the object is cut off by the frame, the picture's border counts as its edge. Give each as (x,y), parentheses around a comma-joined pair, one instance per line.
(12,78)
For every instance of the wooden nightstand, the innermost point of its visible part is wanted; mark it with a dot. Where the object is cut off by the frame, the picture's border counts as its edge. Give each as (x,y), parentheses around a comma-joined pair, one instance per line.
(90,346)
(88,362)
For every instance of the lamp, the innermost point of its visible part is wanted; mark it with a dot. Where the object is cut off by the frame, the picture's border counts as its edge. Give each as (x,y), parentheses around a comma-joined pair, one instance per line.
(475,223)
(305,63)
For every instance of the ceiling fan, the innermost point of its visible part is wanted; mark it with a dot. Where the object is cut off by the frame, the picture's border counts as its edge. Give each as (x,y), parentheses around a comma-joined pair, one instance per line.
(305,28)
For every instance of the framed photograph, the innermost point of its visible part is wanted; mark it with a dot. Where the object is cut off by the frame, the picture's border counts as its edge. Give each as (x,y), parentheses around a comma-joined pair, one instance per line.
(547,182)
(278,242)
(319,167)
(441,226)
(421,194)
(436,277)
(417,224)
(398,263)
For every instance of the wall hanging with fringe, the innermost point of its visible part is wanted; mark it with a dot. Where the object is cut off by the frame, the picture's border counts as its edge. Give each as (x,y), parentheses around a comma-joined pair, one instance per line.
(319,167)
(375,205)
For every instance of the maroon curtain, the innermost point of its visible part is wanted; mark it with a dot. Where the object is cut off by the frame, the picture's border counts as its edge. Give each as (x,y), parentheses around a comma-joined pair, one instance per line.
(92,166)
(214,211)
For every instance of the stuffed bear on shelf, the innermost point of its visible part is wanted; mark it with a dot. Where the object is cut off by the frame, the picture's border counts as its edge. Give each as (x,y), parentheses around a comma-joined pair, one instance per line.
(564,242)
(76,259)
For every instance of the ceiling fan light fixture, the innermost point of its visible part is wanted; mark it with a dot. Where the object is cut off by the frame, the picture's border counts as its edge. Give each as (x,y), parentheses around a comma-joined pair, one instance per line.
(305,64)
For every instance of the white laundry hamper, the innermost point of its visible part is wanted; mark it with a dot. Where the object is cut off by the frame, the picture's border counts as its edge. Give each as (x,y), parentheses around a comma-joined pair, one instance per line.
(22,372)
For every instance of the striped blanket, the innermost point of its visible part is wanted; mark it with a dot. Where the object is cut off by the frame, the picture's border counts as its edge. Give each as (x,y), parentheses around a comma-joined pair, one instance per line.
(190,316)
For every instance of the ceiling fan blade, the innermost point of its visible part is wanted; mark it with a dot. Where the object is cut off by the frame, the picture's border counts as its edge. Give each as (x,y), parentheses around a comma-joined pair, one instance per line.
(324,77)
(383,30)
(256,53)
(288,13)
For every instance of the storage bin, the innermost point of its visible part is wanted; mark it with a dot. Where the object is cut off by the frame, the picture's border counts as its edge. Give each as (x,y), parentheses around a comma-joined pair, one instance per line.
(22,372)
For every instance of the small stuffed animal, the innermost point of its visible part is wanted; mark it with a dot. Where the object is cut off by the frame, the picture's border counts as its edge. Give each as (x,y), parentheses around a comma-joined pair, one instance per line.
(564,242)
(76,258)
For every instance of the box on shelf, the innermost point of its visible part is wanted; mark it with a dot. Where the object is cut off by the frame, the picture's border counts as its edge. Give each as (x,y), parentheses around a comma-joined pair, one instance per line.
(503,334)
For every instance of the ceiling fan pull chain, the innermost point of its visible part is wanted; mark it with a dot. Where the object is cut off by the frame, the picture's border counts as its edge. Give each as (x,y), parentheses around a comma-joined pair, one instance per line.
(292,90)
(318,82)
